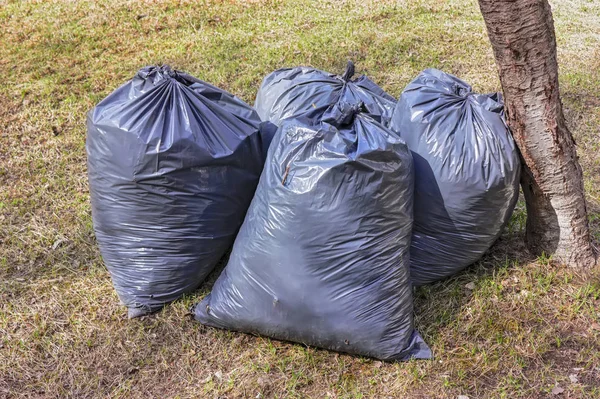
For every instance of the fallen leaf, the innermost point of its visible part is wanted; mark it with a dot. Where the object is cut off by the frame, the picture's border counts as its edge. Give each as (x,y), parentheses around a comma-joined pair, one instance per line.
(219,375)
(58,242)
(573,378)
(462,397)
(557,390)
(470,286)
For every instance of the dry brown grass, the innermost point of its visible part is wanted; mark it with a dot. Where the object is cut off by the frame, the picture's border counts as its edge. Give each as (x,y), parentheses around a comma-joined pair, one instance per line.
(526,327)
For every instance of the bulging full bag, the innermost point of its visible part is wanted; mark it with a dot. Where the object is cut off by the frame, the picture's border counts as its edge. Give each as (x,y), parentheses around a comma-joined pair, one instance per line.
(173,163)
(308,92)
(466,172)
(323,255)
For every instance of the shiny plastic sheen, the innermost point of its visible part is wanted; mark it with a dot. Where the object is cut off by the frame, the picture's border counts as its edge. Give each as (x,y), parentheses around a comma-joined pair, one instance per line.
(466,172)
(323,255)
(173,163)
(308,92)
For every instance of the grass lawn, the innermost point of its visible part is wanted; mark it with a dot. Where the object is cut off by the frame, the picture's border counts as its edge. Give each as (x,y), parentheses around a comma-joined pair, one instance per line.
(527,328)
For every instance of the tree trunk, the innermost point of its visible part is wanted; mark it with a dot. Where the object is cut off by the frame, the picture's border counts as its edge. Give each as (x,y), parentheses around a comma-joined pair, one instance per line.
(522,37)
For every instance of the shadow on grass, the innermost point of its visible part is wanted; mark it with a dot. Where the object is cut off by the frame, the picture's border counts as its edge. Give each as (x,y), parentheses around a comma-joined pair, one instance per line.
(437,305)
(594,218)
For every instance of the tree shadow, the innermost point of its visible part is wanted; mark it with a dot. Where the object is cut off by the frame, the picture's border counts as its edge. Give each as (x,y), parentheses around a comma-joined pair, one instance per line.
(438,304)
(593,208)
(581,105)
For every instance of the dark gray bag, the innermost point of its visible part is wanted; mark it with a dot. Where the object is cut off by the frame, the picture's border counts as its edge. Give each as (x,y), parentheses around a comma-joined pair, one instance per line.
(308,92)
(173,163)
(466,172)
(322,257)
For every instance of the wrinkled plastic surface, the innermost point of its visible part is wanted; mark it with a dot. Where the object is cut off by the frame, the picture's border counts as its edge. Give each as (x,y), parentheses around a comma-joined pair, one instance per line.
(466,172)
(308,92)
(322,257)
(173,163)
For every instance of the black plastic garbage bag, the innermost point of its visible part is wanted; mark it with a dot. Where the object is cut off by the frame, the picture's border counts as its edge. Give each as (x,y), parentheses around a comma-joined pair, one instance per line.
(323,255)
(307,92)
(466,172)
(173,163)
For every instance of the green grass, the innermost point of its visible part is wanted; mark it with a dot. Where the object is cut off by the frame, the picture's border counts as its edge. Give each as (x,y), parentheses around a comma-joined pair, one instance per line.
(526,327)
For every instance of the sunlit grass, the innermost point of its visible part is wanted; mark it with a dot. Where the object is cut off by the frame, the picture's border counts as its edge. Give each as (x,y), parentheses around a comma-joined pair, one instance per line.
(520,329)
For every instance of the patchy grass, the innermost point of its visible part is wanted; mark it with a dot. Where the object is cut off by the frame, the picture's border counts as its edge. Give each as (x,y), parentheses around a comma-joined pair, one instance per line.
(527,327)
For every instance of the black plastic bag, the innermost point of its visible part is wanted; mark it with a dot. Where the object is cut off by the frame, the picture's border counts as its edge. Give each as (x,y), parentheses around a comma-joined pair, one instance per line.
(173,163)
(466,172)
(323,255)
(308,92)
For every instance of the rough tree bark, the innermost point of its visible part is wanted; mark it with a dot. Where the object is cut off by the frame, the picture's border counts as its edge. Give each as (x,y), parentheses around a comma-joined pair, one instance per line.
(522,37)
